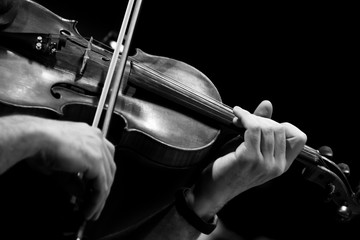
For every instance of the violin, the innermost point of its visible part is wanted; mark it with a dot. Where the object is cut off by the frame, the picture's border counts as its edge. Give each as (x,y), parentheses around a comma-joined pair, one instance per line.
(165,107)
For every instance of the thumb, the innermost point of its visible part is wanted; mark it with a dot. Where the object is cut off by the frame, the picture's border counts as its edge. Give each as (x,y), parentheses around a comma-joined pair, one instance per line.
(264,109)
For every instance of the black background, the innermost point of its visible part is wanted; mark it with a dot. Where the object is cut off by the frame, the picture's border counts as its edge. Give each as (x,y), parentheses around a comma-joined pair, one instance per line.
(303,57)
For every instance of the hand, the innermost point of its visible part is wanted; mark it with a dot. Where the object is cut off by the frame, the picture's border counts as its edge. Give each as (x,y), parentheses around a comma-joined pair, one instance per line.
(267,150)
(72,147)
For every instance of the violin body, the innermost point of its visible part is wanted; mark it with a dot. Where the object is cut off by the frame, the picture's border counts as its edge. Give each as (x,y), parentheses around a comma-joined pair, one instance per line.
(168,118)
(49,79)
(160,145)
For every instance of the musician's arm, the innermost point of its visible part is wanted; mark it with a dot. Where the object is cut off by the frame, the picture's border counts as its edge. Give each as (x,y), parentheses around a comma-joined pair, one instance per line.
(265,152)
(19,139)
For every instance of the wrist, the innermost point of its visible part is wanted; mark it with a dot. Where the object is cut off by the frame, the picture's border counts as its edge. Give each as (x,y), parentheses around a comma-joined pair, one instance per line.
(205,223)
(207,196)
(202,207)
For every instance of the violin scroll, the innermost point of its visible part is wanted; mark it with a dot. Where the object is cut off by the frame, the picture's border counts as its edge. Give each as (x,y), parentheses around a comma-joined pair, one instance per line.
(333,178)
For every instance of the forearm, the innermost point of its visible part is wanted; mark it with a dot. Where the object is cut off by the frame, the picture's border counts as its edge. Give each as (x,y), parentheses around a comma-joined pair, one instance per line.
(19,139)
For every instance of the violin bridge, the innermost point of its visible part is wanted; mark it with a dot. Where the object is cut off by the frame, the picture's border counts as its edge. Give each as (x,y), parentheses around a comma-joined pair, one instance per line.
(85,57)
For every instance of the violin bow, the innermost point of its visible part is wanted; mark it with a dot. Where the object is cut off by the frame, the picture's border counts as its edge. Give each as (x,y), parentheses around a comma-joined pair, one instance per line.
(116,82)
(122,42)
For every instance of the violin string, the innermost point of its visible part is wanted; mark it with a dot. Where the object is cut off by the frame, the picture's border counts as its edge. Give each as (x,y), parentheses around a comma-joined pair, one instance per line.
(175,84)
(102,63)
(314,154)
(104,47)
(310,152)
(210,101)
(168,79)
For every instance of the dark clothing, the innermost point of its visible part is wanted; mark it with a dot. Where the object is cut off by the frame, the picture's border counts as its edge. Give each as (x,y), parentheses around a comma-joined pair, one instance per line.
(36,207)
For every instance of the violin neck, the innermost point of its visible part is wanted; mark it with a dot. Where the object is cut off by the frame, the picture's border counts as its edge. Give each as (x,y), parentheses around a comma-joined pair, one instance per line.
(179,93)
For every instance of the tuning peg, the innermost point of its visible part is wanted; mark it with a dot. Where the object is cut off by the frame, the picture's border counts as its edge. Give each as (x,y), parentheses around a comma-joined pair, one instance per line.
(357,194)
(345,213)
(330,189)
(326,151)
(344,168)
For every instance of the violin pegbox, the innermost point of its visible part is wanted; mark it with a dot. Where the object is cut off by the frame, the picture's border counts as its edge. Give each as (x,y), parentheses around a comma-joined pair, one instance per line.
(333,178)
